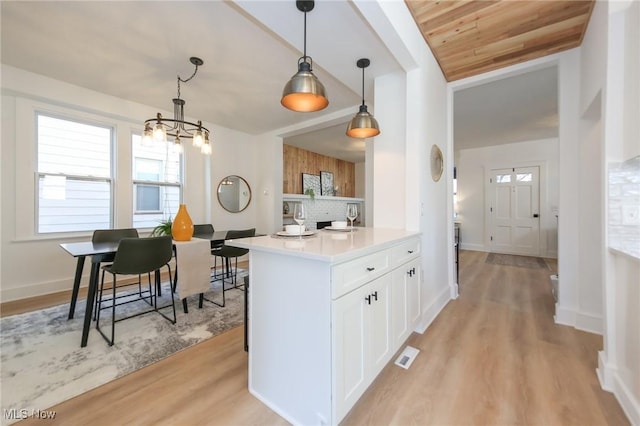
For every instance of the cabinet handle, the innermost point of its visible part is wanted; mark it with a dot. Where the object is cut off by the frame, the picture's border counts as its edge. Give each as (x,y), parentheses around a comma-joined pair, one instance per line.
(410,273)
(413,271)
(409,251)
(375,295)
(370,269)
(368,299)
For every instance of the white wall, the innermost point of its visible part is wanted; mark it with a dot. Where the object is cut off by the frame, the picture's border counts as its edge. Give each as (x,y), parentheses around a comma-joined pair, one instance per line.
(360,186)
(37,264)
(619,361)
(389,188)
(408,131)
(472,166)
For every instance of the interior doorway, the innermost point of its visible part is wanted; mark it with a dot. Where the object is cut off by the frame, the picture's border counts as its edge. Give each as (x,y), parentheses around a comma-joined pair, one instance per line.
(514,210)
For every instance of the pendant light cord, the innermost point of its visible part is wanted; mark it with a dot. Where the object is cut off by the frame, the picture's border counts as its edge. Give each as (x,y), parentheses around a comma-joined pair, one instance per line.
(184,81)
(362,85)
(305,36)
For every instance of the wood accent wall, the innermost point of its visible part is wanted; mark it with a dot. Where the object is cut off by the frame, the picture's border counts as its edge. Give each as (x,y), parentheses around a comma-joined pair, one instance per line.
(297,161)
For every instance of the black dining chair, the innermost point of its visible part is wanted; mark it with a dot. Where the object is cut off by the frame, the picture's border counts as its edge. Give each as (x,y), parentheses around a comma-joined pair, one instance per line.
(112,236)
(202,229)
(136,256)
(206,230)
(228,253)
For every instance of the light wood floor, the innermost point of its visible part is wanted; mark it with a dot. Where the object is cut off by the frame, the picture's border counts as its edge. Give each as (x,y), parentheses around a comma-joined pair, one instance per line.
(492,357)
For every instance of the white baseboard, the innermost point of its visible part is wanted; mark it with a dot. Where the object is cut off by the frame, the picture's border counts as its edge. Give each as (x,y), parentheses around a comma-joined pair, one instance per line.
(432,311)
(473,247)
(39,289)
(610,380)
(580,320)
(454,291)
(589,322)
(564,316)
(629,402)
(605,372)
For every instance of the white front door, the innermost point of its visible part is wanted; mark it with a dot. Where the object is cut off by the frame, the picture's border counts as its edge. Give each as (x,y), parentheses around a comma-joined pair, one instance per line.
(514,203)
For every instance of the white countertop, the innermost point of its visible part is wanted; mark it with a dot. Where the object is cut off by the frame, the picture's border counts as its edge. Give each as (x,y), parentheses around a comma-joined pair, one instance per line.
(326,245)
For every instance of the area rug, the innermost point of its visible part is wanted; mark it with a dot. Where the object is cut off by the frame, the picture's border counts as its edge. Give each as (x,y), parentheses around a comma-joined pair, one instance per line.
(517,261)
(42,363)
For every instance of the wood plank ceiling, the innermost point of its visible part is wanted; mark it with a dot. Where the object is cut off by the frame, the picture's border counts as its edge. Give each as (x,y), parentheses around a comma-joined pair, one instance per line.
(472,37)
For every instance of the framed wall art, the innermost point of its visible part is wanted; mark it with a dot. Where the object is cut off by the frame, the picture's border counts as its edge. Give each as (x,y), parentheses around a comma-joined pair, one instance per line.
(326,183)
(311,182)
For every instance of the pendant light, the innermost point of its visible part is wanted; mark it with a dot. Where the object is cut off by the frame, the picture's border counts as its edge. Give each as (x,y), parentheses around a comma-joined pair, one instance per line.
(304,92)
(363,124)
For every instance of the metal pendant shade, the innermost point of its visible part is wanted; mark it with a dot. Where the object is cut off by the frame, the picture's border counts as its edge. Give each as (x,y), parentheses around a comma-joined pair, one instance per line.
(304,92)
(363,124)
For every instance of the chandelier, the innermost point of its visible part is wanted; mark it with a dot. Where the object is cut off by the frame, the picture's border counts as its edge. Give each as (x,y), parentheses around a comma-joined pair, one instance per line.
(157,129)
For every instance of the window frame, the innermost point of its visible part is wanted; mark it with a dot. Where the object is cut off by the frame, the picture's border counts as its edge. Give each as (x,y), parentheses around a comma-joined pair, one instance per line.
(160,184)
(79,118)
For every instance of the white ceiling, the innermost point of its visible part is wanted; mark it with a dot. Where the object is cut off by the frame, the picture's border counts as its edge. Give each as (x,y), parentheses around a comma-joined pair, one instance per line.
(135,50)
(514,109)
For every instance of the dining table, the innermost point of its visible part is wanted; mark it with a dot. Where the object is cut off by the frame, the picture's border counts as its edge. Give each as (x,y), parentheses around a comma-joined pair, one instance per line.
(98,252)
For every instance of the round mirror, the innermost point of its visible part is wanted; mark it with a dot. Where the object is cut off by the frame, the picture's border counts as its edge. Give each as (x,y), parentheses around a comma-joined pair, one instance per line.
(234,193)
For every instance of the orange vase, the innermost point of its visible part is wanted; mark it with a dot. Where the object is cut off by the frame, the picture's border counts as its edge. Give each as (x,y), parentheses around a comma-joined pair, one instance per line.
(182,226)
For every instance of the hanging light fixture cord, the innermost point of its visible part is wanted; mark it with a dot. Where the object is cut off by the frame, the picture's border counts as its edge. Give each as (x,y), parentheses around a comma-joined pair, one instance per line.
(363,85)
(304,52)
(197,64)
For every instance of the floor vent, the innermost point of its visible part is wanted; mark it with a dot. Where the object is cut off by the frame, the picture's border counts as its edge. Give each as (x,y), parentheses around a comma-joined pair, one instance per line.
(406,357)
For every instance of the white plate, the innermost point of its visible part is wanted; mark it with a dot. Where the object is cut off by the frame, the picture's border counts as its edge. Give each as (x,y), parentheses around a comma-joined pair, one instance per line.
(331,228)
(286,234)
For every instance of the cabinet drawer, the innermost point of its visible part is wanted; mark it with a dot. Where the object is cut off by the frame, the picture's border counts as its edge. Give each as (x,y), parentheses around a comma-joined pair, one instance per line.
(405,251)
(348,276)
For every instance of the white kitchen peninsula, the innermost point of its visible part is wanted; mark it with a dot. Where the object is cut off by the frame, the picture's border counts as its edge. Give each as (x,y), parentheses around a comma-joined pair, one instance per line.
(326,314)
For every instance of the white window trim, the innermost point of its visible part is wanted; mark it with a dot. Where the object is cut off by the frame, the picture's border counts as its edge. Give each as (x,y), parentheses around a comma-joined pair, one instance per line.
(26,208)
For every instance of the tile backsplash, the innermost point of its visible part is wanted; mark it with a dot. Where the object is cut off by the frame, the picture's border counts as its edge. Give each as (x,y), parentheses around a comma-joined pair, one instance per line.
(624,206)
(323,209)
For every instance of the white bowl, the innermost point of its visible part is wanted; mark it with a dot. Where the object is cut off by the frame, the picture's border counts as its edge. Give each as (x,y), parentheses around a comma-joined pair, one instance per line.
(294,229)
(339,224)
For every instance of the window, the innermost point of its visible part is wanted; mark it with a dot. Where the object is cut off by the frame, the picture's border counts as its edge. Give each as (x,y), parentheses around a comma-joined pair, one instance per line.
(524,177)
(503,178)
(74,172)
(157,182)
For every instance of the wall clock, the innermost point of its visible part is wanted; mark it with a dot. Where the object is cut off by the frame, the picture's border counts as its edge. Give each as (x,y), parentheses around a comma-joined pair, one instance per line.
(437,163)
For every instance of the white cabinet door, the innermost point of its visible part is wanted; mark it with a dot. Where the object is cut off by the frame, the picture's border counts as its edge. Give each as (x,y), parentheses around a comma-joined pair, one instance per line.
(350,316)
(379,324)
(399,317)
(413,273)
(405,294)
(362,340)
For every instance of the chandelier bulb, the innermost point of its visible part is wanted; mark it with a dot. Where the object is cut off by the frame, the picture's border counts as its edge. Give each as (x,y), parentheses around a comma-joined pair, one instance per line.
(177,144)
(159,134)
(206,148)
(198,139)
(147,136)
